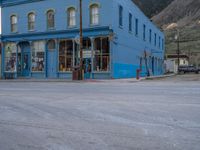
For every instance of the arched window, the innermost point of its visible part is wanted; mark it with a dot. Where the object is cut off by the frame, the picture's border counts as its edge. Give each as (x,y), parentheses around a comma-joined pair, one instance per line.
(31,21)
(13,23)
(51,45)
(71,17)
(94,14)
(50,19)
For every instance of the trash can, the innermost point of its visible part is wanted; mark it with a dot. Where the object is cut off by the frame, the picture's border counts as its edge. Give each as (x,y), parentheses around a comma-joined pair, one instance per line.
(76,73)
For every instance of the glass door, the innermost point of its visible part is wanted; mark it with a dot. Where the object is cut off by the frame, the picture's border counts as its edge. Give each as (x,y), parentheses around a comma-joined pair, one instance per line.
(25,64)
(87,68)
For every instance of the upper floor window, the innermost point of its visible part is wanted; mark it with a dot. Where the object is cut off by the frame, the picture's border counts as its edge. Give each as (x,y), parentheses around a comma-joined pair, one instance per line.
(136,26)
(130,22)
(155,39)
(120,16)
(150,35)
(31,21)
(13,23)
(71,17)
(94,14)
(162,44)
(50,19)
(159,42)
(144,32)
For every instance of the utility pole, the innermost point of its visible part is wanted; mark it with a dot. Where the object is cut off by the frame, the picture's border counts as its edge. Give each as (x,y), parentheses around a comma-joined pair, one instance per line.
(177,37)
(81,41)
(178,46)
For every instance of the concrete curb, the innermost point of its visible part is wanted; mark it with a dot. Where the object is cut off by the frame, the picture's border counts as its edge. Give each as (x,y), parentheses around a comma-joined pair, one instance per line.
(160,77)
(89,80)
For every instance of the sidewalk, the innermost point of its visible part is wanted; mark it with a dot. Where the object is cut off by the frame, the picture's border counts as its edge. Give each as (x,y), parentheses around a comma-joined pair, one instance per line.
(87,80)
(160,77)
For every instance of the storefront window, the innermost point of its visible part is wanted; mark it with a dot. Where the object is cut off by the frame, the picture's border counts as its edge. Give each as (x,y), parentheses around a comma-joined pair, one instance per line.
(101,54)
(10,57)
(38,50)
(66,56)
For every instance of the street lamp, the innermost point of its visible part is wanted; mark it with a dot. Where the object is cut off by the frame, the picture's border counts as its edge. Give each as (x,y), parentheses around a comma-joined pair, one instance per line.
(177,38)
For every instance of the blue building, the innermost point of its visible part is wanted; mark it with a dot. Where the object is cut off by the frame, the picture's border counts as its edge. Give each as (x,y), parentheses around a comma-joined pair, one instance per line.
(40,39)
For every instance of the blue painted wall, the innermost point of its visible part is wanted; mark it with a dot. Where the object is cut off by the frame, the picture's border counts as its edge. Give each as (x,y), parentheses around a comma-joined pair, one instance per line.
(126,47)
(40,9)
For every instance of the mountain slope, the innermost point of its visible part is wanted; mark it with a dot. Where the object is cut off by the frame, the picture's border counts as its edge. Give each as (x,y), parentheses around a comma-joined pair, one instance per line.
(182,16)
(152,7)
(181,12)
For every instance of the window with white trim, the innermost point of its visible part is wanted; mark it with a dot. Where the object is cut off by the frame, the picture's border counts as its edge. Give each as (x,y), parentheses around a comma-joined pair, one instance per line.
(94,14)
(31,21)
(71,17)
(50,19)
(13,23)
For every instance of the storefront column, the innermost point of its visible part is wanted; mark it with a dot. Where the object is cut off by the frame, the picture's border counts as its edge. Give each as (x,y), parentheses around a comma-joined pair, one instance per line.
(31,47)
(74,44)
(92,56)
(2,60)
(57,55)
(17,59)
(46,59)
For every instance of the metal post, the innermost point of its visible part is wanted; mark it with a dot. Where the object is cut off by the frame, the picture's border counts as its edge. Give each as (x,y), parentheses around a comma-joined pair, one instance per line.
(81,41)
(178,49)
(177,38)
(92,56)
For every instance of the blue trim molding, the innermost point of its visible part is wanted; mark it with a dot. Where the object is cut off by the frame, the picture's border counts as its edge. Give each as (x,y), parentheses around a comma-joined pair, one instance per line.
(95,31)
(7,3)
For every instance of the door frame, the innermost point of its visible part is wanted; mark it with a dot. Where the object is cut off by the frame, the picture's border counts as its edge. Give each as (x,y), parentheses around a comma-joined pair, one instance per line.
(25,47)
(86,72)
(53,50)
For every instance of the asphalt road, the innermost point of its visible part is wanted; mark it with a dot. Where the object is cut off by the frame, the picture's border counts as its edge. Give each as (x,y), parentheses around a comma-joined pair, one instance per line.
(159,114)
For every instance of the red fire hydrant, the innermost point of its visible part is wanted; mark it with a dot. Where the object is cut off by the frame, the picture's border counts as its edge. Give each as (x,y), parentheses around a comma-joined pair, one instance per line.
(138,74)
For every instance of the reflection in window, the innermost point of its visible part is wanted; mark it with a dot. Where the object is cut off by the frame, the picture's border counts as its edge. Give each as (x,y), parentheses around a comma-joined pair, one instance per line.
(71,17)
(10,57)
(86,44)
(31,21)
(13,23)
(38,50)
(65,55)
(101,54)
(50,19)
(94,14)
(51,45)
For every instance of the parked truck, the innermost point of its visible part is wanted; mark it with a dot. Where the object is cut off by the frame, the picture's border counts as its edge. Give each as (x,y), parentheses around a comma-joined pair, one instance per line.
(188,69)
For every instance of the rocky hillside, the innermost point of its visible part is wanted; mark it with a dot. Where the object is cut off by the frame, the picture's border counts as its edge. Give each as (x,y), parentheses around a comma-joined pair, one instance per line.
(152,7)
(182,16)
(182,12)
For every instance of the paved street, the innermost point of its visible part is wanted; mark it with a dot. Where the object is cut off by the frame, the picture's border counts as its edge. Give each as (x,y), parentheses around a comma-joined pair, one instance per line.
(162,114)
